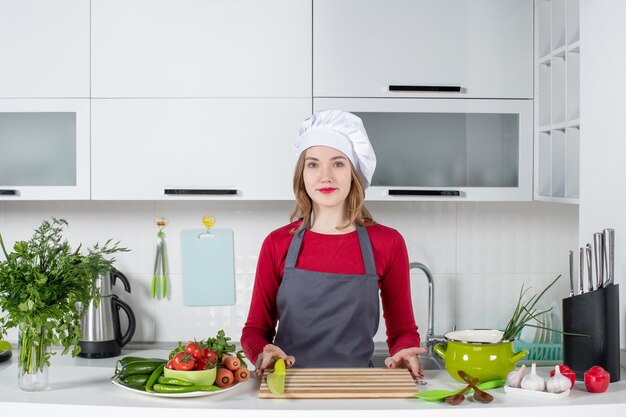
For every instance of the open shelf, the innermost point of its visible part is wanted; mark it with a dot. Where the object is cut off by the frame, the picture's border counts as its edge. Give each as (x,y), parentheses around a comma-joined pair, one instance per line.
(557,100)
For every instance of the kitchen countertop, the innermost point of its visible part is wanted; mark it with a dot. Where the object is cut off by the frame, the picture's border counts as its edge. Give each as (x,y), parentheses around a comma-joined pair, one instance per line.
(79,385)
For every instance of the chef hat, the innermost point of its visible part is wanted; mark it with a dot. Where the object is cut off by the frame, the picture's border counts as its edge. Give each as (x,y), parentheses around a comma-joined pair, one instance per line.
(343,131)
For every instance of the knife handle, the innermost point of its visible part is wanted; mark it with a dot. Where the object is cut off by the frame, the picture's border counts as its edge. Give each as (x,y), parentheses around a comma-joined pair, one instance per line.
(598,245)
(571,273)
(609,255)
(581,270)
(589,267)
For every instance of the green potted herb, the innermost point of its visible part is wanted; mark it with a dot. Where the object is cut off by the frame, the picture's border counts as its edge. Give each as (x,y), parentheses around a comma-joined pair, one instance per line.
(41,283)
(526,312)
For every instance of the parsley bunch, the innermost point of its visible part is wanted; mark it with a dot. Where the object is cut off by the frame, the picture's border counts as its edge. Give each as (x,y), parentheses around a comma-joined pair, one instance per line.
(41,283)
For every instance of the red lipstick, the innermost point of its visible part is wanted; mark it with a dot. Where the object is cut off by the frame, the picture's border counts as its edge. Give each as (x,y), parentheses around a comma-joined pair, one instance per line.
(326,190)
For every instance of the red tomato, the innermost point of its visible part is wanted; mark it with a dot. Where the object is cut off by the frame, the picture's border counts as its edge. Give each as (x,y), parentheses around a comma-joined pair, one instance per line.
(183,362)
(191,348)
(597,379)
(201,366)
(206,359)
(198,354)
(170,364)
(210,356)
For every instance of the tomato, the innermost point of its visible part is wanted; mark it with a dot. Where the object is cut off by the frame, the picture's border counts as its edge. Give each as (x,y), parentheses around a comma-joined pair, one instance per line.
(201,365)
(198,354)
(170,364)
(206,359)
(183,362)
(191,348)
(210,356)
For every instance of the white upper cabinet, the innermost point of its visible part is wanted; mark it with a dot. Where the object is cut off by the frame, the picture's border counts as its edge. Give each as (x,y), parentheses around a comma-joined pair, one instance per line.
(173,149)
(44,149)
(44,48)
(446,149)
(423,48)
(201,48)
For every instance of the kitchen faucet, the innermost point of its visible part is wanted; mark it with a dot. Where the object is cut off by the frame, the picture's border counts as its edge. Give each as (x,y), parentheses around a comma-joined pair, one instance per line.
(431,339)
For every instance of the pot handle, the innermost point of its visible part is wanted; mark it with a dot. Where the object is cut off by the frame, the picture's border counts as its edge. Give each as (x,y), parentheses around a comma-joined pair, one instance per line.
(519,355)
(440,349)
(117,305)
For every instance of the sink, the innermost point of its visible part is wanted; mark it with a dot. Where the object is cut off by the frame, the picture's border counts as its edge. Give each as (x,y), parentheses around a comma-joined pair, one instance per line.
(428,362)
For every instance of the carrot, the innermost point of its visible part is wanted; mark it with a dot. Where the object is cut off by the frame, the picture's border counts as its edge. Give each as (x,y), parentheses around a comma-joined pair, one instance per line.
(230,362)
(224,377)
(241,374)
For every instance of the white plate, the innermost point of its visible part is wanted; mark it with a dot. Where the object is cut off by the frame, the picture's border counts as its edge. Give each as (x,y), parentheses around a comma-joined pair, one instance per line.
(547,334)
(538,332)
(557,322)
(541,395)
(528,334)
(181,395)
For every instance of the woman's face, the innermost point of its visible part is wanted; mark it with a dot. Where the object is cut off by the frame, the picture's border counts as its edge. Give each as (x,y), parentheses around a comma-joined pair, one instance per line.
(327,176)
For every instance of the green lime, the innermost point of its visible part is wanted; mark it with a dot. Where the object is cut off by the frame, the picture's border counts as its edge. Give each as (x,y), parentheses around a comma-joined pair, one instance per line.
(4,345)
(279,367)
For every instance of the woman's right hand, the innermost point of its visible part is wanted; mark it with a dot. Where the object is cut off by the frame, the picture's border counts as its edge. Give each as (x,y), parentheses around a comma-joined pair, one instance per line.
(268,357)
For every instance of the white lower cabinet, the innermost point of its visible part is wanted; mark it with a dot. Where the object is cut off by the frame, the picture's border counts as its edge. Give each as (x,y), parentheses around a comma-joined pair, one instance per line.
(170,149)
(44,149)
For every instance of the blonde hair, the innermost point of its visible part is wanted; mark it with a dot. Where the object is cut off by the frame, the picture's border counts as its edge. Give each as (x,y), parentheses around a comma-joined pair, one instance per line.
(356,212)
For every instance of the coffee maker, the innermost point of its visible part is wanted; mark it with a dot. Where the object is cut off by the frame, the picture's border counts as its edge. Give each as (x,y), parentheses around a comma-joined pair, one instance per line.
(100,325)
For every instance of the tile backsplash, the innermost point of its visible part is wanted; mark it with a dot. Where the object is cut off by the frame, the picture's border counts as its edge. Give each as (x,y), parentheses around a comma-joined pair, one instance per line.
(480,254)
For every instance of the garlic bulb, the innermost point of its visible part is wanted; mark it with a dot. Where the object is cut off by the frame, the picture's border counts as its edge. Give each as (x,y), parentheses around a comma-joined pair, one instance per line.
(558,383)
(514,378)
(533,381)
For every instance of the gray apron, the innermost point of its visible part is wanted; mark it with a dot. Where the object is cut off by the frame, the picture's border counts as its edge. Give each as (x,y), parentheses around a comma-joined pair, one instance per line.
(328,320)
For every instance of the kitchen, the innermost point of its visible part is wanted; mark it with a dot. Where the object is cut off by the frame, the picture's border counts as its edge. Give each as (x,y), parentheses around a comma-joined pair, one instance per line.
(482,249)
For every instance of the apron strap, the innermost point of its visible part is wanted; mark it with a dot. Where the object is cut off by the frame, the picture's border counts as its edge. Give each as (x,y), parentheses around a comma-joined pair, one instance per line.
(366,251)
(294,250)
(364,241)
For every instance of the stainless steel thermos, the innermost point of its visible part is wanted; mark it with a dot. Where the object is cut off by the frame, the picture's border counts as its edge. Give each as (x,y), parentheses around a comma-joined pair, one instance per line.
(100,325)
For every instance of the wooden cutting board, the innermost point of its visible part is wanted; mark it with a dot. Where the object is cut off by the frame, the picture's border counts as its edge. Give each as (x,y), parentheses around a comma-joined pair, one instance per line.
(344,383)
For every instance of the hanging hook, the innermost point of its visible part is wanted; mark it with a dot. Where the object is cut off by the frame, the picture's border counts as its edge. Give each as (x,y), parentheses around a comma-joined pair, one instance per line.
(208,222)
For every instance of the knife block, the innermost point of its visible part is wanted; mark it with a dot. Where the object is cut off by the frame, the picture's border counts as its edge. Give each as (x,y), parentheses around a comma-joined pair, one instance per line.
(595,314)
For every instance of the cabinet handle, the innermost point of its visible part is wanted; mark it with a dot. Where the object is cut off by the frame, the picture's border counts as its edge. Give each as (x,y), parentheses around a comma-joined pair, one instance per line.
(204,191)
(435,88)
(9,192)
(439,193)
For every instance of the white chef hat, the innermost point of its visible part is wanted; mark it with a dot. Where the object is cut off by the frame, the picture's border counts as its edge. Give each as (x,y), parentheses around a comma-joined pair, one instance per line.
(343,131)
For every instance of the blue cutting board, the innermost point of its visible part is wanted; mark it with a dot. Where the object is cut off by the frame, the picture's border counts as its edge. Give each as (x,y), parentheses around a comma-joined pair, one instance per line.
(208,266)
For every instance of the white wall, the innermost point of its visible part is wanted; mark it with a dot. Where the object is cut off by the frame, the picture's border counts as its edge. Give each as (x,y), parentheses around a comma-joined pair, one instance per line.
(480,254)
(603,142)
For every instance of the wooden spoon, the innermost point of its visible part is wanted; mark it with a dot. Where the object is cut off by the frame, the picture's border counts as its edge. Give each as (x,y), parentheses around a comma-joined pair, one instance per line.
(459,397)
(479,395)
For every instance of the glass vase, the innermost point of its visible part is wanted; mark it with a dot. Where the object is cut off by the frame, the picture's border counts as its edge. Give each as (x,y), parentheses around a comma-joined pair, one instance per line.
(32,365)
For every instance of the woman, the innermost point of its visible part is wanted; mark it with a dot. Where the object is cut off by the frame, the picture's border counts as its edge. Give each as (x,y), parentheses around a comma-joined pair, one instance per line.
(319,277)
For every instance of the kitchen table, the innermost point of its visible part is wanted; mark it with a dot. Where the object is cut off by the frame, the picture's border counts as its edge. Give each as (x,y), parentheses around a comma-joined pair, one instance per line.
(81,386)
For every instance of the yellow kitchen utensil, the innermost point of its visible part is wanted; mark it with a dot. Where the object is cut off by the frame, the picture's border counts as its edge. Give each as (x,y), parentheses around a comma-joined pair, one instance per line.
(276,379)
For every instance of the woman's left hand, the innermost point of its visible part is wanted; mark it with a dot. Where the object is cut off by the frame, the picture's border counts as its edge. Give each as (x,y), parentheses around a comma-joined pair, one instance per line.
(407,358)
